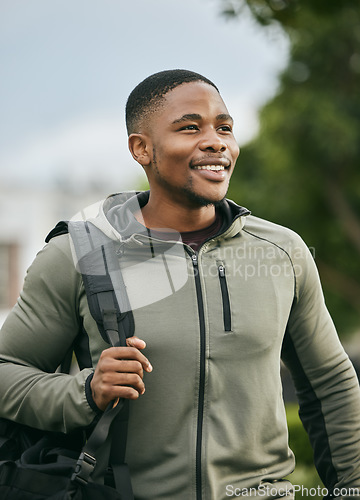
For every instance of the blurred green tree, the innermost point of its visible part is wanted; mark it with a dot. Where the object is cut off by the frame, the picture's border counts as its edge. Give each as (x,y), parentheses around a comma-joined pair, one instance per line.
(303,168)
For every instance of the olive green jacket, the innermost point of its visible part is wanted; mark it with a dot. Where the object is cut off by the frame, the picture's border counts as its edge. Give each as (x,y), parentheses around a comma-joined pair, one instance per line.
(216,323)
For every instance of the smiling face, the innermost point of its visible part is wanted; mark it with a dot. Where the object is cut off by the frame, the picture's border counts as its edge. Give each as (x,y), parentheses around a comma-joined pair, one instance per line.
(189,150)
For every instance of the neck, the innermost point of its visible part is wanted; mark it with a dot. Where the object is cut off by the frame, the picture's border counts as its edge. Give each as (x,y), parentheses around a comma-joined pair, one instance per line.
(165,214)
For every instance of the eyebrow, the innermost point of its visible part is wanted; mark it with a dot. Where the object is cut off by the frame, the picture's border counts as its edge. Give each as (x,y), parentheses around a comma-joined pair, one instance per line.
(225,116)
(188,117)
(197,117)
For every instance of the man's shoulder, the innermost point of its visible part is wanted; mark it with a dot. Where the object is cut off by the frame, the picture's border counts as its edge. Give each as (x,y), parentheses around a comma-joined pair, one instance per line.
(273,233)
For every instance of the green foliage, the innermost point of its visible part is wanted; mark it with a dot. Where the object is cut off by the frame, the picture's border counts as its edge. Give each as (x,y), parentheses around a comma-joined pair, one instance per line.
(305,474)
(298,439)
(286,12)
(303,169)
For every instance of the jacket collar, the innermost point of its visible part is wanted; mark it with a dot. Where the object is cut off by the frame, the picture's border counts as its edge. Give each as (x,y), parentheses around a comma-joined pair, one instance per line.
(118,210)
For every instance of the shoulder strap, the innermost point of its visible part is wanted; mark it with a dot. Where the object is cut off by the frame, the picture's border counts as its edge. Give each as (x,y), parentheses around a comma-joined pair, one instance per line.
(99,266)
(60,228)
(105,289)
(104,285)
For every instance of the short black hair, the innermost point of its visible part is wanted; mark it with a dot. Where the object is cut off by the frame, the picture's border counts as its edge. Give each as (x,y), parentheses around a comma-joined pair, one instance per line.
(148,95)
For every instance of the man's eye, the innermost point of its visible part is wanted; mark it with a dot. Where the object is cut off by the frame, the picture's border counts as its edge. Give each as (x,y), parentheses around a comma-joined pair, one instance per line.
(226,128)
(190,127)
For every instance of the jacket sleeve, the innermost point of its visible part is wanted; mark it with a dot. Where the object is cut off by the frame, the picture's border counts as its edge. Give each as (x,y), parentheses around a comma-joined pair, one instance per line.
(325,380)
(33,342)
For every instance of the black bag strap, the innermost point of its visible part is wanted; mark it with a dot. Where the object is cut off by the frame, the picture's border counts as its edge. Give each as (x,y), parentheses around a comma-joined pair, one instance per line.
(60,228)
(98,264)
(109,305)
(105,289)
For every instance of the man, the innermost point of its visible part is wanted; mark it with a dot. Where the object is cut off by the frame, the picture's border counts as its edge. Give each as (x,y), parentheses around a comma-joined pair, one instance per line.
(217,295)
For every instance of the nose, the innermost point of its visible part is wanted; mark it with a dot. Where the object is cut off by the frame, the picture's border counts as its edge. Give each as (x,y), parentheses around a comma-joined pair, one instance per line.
(212,141)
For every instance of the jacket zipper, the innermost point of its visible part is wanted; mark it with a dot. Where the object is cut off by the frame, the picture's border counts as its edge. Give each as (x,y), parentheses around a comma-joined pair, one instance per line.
(200,301)
(225,298)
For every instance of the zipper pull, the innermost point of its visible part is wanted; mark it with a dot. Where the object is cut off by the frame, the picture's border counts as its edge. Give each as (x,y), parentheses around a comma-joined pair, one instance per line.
(221,271)
(194,259)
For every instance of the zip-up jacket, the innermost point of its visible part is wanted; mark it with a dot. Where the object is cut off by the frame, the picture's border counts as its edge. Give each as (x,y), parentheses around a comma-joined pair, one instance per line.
(216,322)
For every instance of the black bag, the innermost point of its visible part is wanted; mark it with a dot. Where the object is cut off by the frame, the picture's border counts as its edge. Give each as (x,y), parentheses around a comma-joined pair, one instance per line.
(51,467)
(44,468)
(41,465)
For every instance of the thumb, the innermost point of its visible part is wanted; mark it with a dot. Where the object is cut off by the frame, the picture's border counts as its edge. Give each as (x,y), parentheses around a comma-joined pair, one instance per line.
(135,342)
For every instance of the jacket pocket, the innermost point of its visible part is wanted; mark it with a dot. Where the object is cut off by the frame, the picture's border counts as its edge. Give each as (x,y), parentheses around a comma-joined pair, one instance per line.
(225,298)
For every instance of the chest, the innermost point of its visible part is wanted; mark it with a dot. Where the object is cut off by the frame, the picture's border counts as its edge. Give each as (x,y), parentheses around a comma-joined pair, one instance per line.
(239,296)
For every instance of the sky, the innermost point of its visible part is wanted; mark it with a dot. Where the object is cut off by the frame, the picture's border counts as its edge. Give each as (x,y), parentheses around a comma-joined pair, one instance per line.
(67,67)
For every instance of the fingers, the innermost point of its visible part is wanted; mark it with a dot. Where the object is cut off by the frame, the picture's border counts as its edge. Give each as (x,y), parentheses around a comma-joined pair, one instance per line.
(124,385)
(123,353)
(119,373)
(135,342)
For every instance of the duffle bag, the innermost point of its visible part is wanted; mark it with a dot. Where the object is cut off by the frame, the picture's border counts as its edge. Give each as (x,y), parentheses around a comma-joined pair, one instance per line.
(57,466)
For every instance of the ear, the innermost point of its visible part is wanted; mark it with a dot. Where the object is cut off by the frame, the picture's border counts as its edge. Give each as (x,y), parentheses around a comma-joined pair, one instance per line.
(139,148)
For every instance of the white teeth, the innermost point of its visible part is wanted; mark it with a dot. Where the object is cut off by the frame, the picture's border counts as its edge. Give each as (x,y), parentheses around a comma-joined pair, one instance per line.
(215,168)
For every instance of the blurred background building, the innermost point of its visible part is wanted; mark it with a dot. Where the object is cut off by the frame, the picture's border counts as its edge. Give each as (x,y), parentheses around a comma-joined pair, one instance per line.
(26,216)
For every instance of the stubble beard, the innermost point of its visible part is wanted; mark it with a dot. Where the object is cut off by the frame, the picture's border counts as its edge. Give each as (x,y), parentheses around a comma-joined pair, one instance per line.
(187,192)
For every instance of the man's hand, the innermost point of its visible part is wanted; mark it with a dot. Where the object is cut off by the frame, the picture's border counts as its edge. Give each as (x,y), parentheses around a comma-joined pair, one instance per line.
(119,373)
